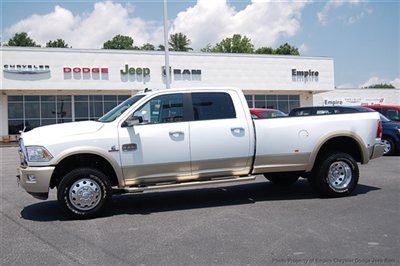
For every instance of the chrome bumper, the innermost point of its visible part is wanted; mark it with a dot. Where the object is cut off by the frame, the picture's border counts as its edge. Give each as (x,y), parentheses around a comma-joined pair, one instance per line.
(35,180)
(377,151)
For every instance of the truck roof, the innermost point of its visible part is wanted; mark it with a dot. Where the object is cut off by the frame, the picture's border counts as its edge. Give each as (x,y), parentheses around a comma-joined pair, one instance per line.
(183,89)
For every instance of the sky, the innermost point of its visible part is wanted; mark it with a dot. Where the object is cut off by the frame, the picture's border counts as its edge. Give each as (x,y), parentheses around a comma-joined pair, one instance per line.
(363,38)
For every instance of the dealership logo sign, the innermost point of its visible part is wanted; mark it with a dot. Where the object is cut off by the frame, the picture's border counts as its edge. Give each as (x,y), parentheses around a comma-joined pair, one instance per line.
(353,101)
(85,73)
(139,71)
(183,74)
(26,69)
(95,70)
(304,75)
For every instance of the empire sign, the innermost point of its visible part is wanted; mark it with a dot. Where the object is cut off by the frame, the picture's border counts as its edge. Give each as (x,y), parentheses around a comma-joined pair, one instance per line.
(304,75)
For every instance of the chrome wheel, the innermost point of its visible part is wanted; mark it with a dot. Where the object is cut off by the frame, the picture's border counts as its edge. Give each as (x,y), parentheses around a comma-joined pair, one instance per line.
(388,146)
(85,194)
(339,176)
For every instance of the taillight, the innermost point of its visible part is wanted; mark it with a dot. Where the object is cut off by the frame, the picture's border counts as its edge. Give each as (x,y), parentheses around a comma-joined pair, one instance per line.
(379,130)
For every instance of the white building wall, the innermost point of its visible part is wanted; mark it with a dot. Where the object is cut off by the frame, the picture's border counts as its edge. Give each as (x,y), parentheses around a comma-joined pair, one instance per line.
(258,72)
(358,97)
(3,115)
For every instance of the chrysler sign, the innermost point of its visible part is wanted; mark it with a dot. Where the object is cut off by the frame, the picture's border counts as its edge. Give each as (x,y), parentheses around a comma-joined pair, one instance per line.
(26,69)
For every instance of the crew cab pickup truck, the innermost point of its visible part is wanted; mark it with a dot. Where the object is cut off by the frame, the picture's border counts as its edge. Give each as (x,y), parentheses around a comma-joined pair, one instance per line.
(188,137)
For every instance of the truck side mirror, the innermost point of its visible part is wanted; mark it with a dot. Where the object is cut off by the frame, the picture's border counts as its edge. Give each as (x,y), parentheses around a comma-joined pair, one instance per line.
(133,120)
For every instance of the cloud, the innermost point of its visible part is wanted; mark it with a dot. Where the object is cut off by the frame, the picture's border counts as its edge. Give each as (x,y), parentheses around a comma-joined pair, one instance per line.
(377,80)
(333,4)
(346,86)
(264,22)
(303,48)
(89,30)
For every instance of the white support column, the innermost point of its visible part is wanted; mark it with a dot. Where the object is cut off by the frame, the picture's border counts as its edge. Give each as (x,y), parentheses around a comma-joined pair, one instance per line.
(166,47)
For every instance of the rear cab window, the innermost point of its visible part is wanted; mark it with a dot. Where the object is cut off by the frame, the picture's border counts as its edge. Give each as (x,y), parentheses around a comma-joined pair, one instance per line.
(212,105)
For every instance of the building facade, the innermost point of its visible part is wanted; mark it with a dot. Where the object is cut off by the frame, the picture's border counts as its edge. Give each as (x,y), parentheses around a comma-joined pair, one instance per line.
(358,97)
(41,86)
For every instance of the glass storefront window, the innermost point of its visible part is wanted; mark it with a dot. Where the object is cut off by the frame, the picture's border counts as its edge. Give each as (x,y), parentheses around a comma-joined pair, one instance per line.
(284,103)
(32,111)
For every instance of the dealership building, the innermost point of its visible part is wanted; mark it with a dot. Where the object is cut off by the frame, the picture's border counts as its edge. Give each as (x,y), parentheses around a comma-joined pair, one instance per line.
(42,86)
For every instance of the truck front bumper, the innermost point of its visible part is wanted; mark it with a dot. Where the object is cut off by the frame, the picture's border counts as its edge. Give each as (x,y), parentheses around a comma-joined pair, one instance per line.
(377,151)
(35,180)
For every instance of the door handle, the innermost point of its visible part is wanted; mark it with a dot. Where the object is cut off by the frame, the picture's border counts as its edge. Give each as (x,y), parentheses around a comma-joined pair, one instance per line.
(237,130)
(175,133)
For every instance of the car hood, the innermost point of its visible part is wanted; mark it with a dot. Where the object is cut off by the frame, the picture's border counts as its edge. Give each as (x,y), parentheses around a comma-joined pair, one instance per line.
(56,132)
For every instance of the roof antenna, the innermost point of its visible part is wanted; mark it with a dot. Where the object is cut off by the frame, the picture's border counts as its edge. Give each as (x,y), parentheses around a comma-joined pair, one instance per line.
(146,90)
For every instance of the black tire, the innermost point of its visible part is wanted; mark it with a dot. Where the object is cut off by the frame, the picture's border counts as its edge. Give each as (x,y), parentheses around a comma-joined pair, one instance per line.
(335,187)
(389,142)
(282,179)
(101,185)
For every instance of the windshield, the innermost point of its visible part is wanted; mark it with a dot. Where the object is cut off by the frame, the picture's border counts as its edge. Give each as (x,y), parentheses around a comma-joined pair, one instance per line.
(384,118)
(119,109)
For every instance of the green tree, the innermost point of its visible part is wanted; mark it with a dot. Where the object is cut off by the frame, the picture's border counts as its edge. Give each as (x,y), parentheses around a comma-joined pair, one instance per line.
(59,43)
(381,86)
(179,42)
(264,50)
(287,49)
(234,44)
(160,47)
(22,39)
(121,42)
(147,47)
(207,49)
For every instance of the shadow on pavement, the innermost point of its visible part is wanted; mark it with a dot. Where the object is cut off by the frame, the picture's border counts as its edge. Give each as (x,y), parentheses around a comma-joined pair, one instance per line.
(206,197)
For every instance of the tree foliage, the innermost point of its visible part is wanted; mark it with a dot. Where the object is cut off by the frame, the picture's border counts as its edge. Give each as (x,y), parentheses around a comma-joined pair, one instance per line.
(121,42)
(179,42)
(234,44)
(59,43)
(242,44)
(264,50)
(381,86)
(147,47)
(287,49)
(22,39)
(207,49)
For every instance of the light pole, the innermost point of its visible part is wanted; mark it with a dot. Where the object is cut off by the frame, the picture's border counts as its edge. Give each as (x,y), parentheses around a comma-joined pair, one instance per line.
(166,47)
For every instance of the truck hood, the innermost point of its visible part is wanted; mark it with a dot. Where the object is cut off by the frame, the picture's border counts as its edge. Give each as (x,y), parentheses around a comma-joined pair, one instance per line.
(46,134)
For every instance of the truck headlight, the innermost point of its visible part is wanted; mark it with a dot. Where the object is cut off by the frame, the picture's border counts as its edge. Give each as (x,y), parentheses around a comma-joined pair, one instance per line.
(38,154)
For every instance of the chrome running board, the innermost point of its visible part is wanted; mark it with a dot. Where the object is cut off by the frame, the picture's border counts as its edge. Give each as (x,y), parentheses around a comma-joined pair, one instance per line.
(183,184)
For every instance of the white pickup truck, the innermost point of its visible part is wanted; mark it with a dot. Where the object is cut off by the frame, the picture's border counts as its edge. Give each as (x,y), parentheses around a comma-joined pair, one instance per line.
(185,137)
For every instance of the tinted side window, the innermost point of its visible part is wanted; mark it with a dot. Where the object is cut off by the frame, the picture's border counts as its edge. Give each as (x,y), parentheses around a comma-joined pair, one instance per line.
(212,105)
(302,112)
(344,111)
(162,109)
(324,111)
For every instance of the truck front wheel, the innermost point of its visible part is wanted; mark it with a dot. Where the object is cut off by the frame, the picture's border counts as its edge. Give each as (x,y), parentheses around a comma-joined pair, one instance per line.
(282,179)
(335,175)
(84,192)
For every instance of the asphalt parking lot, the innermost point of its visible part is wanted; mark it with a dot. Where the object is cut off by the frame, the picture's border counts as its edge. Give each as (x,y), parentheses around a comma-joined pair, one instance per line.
(249,223)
